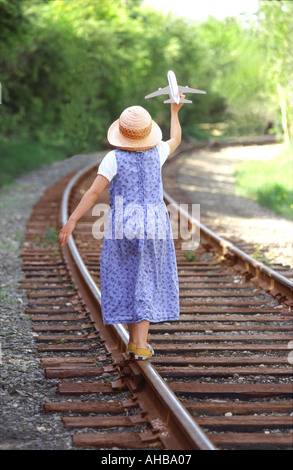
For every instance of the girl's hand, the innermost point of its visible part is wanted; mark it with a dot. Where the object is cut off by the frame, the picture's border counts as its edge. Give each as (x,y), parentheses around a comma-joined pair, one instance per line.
(66,231)
(174,106)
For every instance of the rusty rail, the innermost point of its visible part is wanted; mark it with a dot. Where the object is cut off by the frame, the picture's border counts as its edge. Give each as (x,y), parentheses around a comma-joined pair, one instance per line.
(227,328)
(252,267)
(194,435)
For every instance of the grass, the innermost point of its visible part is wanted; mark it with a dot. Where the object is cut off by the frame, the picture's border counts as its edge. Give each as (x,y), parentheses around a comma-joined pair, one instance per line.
(19,155)
(269,182)
(190,257)
(259,256)
(51,236)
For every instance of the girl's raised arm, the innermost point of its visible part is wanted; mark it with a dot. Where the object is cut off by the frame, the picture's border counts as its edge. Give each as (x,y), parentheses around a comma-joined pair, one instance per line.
(175,130)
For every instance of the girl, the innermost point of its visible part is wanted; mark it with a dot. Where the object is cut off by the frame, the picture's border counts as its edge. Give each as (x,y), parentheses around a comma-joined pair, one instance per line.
(138,272)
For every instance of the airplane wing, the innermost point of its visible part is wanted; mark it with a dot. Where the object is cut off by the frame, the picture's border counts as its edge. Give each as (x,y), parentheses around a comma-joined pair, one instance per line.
(182,100)
(186,89)
(161,91)
(167,91)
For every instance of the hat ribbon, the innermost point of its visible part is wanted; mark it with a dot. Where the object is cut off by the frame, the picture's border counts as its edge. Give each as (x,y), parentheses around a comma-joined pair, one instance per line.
(136,134)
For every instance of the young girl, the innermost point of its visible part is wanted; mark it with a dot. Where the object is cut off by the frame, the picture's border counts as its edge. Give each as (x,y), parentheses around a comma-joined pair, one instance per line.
(138,270)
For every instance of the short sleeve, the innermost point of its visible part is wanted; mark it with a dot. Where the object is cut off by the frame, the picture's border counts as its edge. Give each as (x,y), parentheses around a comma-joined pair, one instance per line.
(108,166)
(164,151)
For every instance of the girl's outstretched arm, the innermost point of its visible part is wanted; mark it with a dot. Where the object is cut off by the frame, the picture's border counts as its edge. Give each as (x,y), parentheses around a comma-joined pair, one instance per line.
(87,201)
(175,130)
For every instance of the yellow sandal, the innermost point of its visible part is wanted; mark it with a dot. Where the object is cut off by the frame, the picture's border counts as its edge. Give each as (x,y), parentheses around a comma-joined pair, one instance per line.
(131,348)
(142,354)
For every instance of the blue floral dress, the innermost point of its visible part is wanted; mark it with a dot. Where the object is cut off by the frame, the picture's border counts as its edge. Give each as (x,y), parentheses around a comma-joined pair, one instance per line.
(138,270)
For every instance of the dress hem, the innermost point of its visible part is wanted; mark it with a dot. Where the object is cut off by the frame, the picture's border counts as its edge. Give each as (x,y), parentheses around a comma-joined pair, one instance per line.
(141,319)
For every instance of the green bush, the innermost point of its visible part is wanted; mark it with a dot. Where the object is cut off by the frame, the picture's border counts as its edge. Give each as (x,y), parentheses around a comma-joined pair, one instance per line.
(19,156)
(68,69)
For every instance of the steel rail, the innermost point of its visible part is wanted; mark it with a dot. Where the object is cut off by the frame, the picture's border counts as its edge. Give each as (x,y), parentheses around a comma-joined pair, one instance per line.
(225,245)
(192,431)
(194,434)
(220,241)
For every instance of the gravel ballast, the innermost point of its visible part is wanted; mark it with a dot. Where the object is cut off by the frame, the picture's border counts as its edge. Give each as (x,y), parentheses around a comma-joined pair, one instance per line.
(24,388)
(23,391)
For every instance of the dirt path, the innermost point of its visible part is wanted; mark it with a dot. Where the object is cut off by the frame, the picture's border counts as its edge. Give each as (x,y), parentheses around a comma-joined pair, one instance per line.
(205,177)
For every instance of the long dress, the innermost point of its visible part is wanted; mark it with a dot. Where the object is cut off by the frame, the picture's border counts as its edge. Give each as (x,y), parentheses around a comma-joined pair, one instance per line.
(138,270)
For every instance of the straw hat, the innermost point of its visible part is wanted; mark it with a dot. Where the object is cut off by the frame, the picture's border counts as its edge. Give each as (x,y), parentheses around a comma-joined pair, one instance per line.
(134,130)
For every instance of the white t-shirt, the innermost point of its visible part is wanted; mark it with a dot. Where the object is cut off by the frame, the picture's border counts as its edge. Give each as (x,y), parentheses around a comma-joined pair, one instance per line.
(108,166)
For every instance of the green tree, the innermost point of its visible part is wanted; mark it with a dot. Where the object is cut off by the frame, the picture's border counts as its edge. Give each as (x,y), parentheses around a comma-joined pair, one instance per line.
(276,22)
(237,72)
(68,69)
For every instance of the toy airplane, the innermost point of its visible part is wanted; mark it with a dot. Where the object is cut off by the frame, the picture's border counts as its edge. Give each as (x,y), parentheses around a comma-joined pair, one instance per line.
(173,90)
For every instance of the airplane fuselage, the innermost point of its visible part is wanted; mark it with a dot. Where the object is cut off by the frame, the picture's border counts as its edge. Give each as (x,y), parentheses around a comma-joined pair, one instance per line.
(173,86)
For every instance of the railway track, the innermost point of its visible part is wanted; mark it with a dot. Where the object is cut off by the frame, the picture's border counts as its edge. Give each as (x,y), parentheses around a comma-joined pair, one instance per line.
(221,377)
(259,251)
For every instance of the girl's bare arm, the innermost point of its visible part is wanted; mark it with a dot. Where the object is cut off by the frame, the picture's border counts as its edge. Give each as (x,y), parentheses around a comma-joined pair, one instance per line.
(87,201)
(175,129)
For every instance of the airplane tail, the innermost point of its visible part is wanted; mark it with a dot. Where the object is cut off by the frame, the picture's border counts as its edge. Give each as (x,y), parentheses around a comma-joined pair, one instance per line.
(182,100)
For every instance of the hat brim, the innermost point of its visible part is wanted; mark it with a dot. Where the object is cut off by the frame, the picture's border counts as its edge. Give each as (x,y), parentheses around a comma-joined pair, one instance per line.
(118,140)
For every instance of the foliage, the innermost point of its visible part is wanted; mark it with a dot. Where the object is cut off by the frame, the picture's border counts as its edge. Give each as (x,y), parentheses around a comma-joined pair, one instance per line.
(68,69)
(19,155)
(276,22)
